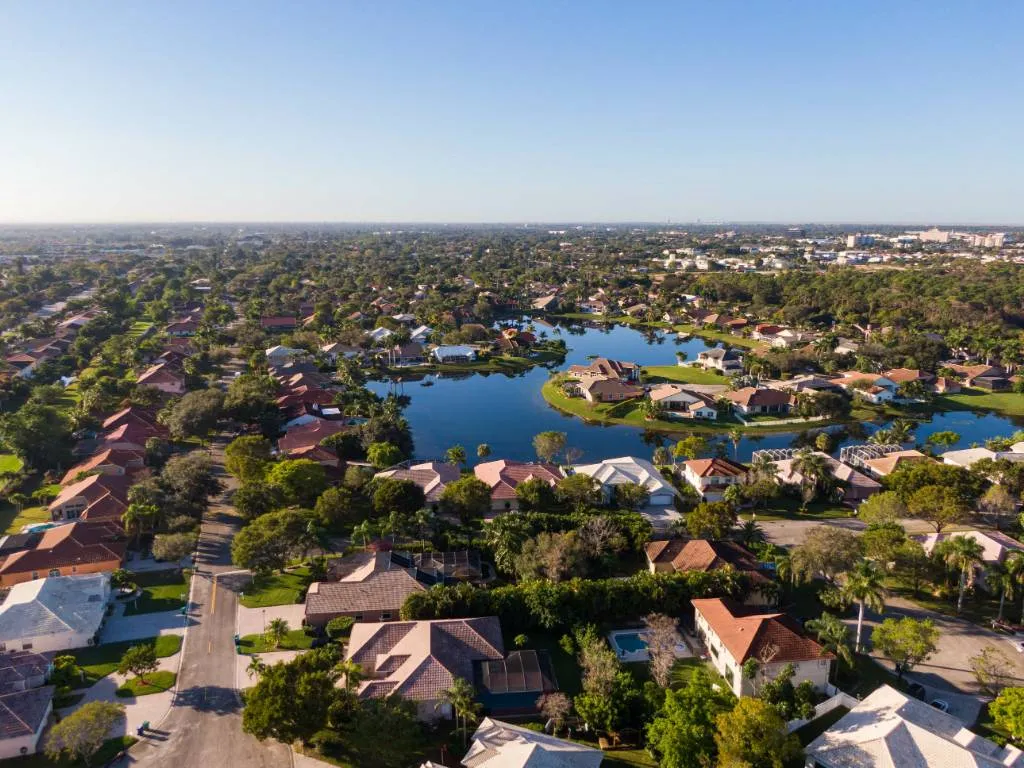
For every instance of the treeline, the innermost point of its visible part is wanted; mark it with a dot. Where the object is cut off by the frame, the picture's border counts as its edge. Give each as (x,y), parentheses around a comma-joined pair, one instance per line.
(542,604)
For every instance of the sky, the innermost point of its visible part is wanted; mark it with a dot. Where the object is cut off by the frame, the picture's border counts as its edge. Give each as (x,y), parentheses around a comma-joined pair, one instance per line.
(488,111)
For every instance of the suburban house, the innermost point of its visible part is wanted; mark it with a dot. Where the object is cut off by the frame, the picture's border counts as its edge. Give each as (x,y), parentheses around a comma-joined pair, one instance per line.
(308,435)
(598,389)
(55,613)
(547,303)
(789,338)
(21,670)
(97,497)
(901,376)
(710,477)
(498,744)
(183,327)
(605,368)
(143,420)
(336,350)
(369,586)
(873,387)
(279,355)
(733,634)
(681,402)
(23,716)
(675,555)
(66,550)
(417,660)
(111,462)
(856,485)
(503,476)
(377,335)
(431,476)
(630,469)
(890,462)
(421,334)
(162,377)
(454,353)
(278,323)
(890,728)
(752,401)
(995,545)
(982,376)
(728,361)
(409,353)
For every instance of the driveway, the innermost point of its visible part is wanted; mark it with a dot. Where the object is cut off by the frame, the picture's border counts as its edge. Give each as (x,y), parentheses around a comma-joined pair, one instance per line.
(120,627)
(253,621)
(947,674)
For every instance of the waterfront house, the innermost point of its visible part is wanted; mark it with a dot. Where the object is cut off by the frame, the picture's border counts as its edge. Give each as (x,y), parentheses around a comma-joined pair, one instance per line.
(890,462)
(503,477)
(681,402)
(610,473)
(609,369)
(710,477)
(454,353)
(752,401)
(599,389)
(728,361)
(856,486)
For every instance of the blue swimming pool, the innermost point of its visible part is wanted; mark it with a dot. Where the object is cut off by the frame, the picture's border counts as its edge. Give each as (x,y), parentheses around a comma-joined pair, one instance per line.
(629,642)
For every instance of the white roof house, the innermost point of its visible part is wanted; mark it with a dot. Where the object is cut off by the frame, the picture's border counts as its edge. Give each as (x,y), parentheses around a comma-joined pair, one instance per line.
(420,333)
(454,352)
(967,457)
(629,469)
(54,614)
(889,728)
(379,334)
(497,744)
(280,354)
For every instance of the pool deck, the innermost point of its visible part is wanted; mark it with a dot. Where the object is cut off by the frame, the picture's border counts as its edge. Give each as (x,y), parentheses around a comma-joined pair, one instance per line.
(630,654)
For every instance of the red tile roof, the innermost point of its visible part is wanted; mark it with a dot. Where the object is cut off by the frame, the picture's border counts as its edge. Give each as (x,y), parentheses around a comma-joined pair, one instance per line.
(748,634)
(503,475)
(715,467)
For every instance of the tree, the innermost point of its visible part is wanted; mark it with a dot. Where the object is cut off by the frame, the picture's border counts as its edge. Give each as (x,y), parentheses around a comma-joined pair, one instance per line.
(338,508)
(255,499)
(579,490)
(393,495)
(80,734)
(863,585)
(882,541)
(277,631)
(944,439)
(826,551)
(264,544)
(905,641)
(549,444)
(815,474)
(993,670)
(683,731)
(190,479)
(483,451)
(173,547)
(882,508)
(40,435)
(691,447)
(936,505)
(751,534)
(998,503)
(456,455)
(461,697)
(552,556)
(833,636)
(1005,577)
(710,520)
(301,480)
(139,518)
(964,555)
(912,564)
(138,660)
(383,455)
(662,638)
(194,415)
(631,496)
(753,735)
(248,458)
(251,398)
(1007,712)
(536,495)
(467,497)
(964,484)
(556,707)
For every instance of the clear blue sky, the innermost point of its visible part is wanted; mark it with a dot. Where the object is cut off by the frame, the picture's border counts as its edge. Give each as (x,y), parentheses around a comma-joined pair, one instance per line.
(511,111)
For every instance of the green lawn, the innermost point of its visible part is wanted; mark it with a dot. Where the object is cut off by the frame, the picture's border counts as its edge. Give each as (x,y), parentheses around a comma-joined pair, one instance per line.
(728,338)
(296,640)
(979,607)
(277,589)
(161,591)
(1010,403)
(625,758)
(107,752)
(681,374)
(789,509)
(139,329)
(156,682)
(11,520)
(98,661)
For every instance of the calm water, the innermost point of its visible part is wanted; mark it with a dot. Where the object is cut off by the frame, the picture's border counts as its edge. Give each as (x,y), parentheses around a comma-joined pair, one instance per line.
(506,412)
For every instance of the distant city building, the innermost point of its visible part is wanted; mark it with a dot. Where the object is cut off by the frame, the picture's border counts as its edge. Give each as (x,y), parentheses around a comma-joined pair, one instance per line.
(859,241)
(934,235)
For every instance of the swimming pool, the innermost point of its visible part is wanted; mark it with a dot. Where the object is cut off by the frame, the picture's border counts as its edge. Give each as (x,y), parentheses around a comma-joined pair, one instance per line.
(630,645)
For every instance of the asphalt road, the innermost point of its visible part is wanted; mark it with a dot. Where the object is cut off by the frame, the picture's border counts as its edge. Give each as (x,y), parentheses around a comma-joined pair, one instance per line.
(204,725)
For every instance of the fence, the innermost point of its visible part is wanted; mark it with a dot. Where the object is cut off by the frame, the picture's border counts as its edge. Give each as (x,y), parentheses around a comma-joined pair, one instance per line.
(839,699)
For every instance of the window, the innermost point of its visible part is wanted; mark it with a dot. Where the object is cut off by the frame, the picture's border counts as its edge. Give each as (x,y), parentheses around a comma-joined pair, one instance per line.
(358,617)
(55,571)
(35,575)
(26,646)
(714,651)
(385,617)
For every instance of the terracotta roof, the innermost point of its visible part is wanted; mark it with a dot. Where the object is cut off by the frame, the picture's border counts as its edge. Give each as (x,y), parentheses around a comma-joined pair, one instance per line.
(759,396)
(419,659)
(604,386)
(66,545)
(309,435)
(105,495)
(602,366)
(703,555)
(111,456)
(134,413)
(715,467)
(160,373)
(904,375)
(886,465)
(503,475)
(748,634)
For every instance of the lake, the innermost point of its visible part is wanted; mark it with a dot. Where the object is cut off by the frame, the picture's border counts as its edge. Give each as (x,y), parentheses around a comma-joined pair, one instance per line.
(506,412)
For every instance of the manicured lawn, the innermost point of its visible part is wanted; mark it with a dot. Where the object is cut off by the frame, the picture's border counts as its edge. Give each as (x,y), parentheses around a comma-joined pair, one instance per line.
(683,670)
(99,661)
(161,591)
(789,509)
(728,338)
(9,463)
(16,520)
(979,607)
(107,752)
(815,728)
(156,682)
(277,589)
(681,374)
(624,758)
(295,640)
(139,329)
(1010,403)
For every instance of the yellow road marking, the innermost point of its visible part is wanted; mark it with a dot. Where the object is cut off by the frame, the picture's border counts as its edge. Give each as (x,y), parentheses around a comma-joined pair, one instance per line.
(213,605)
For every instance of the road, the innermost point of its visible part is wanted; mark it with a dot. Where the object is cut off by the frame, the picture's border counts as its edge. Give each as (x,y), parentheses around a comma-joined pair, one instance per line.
(204,725)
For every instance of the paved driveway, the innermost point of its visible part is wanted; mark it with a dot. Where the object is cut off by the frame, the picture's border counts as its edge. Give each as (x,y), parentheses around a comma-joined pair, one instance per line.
(143,625)
(947,674)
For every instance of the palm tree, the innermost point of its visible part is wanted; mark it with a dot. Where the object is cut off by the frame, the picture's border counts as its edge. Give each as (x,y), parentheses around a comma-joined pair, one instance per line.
(735,437)
(365,531)
(137,518)
(751,533)
(815,472)
(256,667)
(762,467)
(998,575)
(833,636)
(456,455)
(964,555)
(462,698)
(864,585)
(351,672)
(277,631)
(483,451)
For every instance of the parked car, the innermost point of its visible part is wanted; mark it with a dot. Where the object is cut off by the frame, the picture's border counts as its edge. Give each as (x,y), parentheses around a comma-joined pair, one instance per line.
(917,691)
(941,705)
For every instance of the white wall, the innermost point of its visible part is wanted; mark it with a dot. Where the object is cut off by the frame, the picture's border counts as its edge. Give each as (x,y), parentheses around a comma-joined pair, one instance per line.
(13,747)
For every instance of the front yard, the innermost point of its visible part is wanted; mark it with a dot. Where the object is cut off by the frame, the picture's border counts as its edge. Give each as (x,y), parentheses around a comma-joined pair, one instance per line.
(295,640)
(276,589)
(156,682)
(161,591)
(98,661)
